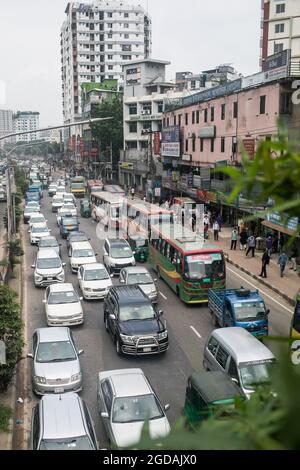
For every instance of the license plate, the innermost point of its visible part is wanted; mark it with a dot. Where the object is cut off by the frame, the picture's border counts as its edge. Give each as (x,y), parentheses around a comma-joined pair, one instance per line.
(147,350)
(59,390)
(49,278)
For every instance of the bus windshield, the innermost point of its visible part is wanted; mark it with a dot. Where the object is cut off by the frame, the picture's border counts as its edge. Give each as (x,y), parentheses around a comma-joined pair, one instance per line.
(200,266)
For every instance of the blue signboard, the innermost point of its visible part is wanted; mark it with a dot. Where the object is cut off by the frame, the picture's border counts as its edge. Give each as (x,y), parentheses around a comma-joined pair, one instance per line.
(171,134)
(212,93)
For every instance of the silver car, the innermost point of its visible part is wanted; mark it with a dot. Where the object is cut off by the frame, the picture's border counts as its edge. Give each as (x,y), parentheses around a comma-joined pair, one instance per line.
(49,242)
(94,281)
(140,276)
(55,366)
(63,305)
(62,422)
(125,401)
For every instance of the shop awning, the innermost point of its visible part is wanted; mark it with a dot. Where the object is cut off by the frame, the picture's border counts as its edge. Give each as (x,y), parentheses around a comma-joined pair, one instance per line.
(279,228)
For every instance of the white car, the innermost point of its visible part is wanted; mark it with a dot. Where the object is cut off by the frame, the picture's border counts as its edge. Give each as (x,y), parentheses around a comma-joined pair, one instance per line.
(37,218)
(48,268)
(81,253)
(38,231)
(57,202)
(94,281)
(63,305)
(33,204)
(62,212)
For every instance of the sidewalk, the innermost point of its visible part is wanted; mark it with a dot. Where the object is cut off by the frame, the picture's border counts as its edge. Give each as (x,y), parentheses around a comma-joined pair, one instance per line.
(287,287)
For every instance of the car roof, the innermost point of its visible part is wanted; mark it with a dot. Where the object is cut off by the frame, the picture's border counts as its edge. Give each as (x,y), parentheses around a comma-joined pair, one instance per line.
(117,241)
(90,267)
(136,270)
(39,225)
(76,234)
(127,382)
(242,344)
(62,416)
(51,237)
(53,334)
(81,245)
(61,287)
(47,253)
(130,294)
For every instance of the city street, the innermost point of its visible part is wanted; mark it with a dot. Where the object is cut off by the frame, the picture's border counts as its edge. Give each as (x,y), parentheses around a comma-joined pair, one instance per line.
(188,328)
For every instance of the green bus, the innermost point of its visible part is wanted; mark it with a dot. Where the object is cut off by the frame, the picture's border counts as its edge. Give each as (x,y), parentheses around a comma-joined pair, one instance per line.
(295,326)
(188,264)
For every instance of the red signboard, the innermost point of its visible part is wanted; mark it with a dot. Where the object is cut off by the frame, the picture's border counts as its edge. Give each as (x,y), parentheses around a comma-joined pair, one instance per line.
(249,145)
(202,195)
(156,143)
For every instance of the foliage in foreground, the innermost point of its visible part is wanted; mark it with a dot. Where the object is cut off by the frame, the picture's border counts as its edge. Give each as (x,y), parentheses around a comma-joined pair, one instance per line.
(10,332)
(5,415)
(268,421)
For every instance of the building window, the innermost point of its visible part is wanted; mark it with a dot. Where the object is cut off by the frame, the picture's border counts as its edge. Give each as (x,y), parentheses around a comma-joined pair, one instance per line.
(223,111)
(197,117)
(110,67)
(212,145)
(186,119)
(235,110)
(126,25)
(280,8)
(126,15)
(131,145)
(262,105)
(201,145)
(133,127)
(279,28)
(133,108)
(205,115)
(109,15)
(168,122)
(286,104)
(175,120)
(179,120)
(160,107)
(278,47)
(222,144)
(109,36)
(109,25)
(126,36)
(212,113)
(194,144)
(109,46)
(110,57)
(193,117)
(186,145)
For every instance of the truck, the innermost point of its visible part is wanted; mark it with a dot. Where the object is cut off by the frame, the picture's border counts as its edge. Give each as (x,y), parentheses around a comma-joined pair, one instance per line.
(239,307)
(77,186)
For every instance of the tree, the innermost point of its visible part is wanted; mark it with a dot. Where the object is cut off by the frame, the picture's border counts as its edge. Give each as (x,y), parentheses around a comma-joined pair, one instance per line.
(10,332)
(14,251)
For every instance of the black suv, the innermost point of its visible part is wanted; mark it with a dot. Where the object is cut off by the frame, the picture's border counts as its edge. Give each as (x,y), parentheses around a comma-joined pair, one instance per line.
(134,324)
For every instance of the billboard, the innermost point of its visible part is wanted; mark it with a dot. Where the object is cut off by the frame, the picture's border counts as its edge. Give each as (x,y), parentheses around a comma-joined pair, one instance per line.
(171,134)
(170,149)
(208,132)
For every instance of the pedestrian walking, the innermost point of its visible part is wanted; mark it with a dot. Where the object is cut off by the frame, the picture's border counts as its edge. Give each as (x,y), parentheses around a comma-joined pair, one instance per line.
(241,225)
(269,244)
(132,192)
(234,238)
(293,257)
(251,243)
(264,264)
(144,198)
(216,229)
(243,239)
(220,221)
(282,261)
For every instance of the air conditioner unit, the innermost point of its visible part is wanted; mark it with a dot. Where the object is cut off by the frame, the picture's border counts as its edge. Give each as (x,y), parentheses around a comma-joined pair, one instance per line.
(148,112)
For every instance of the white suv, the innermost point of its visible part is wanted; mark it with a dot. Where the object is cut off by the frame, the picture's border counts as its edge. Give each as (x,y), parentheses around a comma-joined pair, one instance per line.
(117,255)
(48,268)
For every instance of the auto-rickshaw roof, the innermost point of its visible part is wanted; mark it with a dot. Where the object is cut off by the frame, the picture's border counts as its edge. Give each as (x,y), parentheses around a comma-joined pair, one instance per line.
(214,386)
(137,237)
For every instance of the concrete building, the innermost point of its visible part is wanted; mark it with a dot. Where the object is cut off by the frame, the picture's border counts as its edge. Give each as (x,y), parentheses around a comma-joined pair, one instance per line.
(206,79)
(280,29)
(96,40)
(6,125)
(54,135)
(24,121)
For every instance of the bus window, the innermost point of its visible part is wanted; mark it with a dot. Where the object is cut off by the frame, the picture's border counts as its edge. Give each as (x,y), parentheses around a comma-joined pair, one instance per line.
(296,319)
(178,258)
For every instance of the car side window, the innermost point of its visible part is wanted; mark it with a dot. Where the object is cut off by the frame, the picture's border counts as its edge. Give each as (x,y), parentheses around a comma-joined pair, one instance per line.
(222,357)
(106,247)
(232,371)
(35,427)
(34,342)
(107,394)
(213,345)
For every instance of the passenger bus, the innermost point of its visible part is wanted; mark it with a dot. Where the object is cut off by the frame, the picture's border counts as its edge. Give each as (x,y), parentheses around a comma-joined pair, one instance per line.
(77,186)
(106,208)
(295,326)
(94,186)
(140,215)
(187,263)
(114,189)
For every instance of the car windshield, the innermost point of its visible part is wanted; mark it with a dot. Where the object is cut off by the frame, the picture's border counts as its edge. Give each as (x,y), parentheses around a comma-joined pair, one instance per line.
(48,243)
(55,351)
(137,312)
(68,297)
(74,443)
(139,278)
(31,209)
(208,265)
(37,220)
(69,221)
(96,275)
(77,186)
(58,201)
(39,229)
(83,253)
(249,310)
(121,251)
(48,263)
(254,374)
(139,408)
(78,238)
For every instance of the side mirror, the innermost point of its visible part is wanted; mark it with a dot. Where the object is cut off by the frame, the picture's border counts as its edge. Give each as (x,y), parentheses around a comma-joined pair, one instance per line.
(63,265)
(122,281)
(104,415)
(30,355)
(112,316)
(96,254)
(80,298)
(50,230)
(59,244)
(69,256)
(81,351)
(160,313)
(112,275)
(155,280)
(235,380)
(29,231)
(167,407)
(33,266)
(268,311)
(134,252)
(44,301)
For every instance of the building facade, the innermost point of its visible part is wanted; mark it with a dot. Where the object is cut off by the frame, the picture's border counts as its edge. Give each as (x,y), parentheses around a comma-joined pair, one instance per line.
(280,29)
(206,79)
(96,39)
(6,124)
(24,121)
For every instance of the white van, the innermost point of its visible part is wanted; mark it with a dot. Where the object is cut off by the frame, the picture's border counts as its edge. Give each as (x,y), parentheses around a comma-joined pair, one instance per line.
(81,253)
(240,355)
(57,202)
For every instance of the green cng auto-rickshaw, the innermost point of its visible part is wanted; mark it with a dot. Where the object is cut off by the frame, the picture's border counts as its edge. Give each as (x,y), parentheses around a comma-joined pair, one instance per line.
(140,246)
(210,394)
(85,209)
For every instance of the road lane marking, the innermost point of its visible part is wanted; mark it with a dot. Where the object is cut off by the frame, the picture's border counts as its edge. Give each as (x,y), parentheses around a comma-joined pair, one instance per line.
(196,332)
(262,291)
(163,296)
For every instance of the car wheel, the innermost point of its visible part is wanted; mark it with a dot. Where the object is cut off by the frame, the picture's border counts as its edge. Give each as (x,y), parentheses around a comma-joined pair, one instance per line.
(118,348)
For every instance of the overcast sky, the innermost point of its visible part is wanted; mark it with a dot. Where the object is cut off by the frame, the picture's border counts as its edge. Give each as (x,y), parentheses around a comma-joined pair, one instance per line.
(193,35)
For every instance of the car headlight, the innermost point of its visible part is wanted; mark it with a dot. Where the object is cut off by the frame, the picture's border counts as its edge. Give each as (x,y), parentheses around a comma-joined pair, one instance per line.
(40,380)
(163,335)
(112,265)
(127,339)
(87,289)
(38,276)
(61,275)
(76,377)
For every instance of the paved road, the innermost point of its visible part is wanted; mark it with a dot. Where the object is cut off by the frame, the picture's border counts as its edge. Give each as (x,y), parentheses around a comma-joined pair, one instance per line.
(188,328)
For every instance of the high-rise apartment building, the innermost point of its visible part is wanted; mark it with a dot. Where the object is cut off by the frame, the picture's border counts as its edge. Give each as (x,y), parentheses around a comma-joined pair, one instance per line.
(280,27)
(96,39)
(24,121)
(6,124)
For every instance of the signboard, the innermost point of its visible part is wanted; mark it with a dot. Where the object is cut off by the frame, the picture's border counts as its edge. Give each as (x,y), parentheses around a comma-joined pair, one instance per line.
(133,76)
(211,197)
(170,149)
(208,132)
(157,192)
(215,92)
(156,143)
(253,80)
(171,134)
(205,173)
(276,74)
(2,353)
(276,61)
(202,195)
(146,117)
(249,145)
(278,219)
(186,158)
(126,165)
